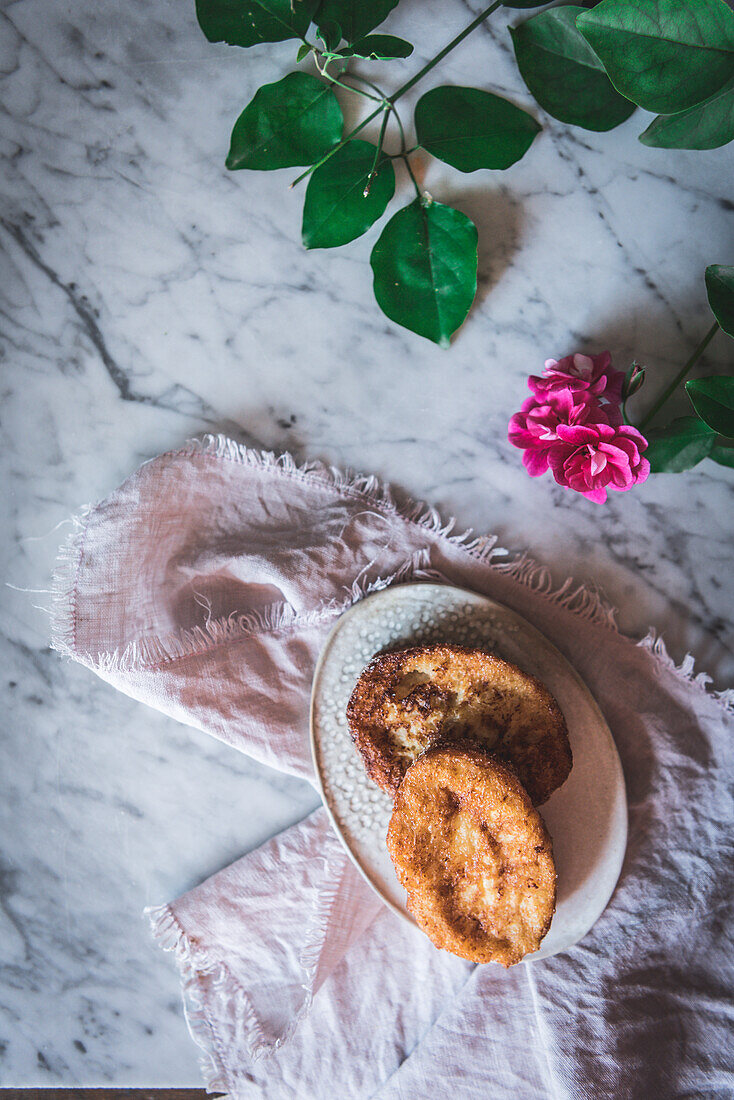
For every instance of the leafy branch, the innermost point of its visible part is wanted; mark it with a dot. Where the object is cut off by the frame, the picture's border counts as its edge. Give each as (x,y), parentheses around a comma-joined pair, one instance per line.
(709,431)
(425,261)
(585,67)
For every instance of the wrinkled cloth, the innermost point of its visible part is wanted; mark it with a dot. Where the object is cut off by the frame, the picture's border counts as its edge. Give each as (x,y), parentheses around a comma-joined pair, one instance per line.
(205,586)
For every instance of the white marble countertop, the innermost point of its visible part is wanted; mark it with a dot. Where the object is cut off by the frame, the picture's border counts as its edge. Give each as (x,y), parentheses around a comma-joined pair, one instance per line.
(148,295)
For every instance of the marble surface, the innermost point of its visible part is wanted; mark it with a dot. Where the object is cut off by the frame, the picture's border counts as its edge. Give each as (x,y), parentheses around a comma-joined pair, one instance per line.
(148,295)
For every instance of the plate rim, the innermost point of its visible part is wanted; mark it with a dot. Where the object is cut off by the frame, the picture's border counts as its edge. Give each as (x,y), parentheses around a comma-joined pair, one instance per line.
(620,785)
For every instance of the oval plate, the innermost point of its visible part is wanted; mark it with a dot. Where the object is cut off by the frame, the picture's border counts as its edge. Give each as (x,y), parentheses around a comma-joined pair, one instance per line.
(586,817)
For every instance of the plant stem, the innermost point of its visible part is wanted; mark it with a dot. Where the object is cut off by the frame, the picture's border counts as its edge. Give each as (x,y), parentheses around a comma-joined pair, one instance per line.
(680,375)
(404,152)
(404,87)
(369,84)
(378,150)
(336,148)
(418,192)
(446,50)
(347,87)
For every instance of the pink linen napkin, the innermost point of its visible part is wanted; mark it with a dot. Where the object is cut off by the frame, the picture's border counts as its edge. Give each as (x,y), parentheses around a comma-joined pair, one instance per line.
(205,586)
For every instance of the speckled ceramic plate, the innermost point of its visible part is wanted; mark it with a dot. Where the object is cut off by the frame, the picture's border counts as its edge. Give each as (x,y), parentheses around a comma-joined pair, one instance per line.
(587,816)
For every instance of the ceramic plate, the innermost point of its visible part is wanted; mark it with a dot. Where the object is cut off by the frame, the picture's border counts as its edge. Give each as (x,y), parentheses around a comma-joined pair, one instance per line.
(587,816)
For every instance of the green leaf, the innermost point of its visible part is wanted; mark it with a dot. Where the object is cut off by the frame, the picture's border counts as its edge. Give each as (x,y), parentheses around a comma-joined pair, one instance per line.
(713,400)
(425,269)
(292,122)
(679,446)
(248,22)
(330,34)
(336,209)
(471,129)
(720,289)
(356,17)
(303,51)
(708,125)
(379,47)
(665,55)
(564,74)
(724,456)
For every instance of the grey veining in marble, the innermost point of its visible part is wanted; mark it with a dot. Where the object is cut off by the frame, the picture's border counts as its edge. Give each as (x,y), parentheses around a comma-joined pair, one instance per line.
(146,294)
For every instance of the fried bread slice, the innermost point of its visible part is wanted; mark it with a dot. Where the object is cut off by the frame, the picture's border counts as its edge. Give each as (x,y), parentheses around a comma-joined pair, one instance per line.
(473,855)
(407,700)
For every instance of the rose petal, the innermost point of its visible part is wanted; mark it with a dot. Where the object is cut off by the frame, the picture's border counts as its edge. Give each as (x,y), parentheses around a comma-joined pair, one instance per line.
(576,434)
(622,477)
(622,452)
(535,461)
(529,404)
(599,496)
(636,436)
(598,462)
(558,456)
(517,432)
(643,471)
(583,365)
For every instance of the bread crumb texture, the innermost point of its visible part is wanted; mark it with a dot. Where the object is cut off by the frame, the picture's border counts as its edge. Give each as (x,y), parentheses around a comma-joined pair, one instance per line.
(408,701)
(473,855)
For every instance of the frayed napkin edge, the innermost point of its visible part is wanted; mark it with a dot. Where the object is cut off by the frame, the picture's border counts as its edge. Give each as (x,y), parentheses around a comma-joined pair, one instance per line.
(194,964)
(583,600)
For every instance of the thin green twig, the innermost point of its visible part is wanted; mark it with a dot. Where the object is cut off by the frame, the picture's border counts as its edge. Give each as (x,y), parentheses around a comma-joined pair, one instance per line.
(405,153)
(341,145)
(347,87)
(378,150)
(403,88)
(363,80)
(680,375)
(446,50)
(418,192)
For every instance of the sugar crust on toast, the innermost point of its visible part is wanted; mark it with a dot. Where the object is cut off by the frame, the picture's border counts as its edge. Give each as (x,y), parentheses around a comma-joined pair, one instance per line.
(406,701)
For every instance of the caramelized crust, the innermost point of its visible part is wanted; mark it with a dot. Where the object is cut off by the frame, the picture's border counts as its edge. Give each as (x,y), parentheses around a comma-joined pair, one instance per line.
(474,856)
(404,702)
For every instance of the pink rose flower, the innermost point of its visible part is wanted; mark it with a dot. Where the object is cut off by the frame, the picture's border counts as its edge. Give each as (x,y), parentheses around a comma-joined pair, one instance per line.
(578,435)
(582,374)
(597,456)
(535,427)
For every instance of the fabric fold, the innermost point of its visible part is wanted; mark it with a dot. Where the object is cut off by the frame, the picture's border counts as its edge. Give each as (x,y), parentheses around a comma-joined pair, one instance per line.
(205,586)
(298,892)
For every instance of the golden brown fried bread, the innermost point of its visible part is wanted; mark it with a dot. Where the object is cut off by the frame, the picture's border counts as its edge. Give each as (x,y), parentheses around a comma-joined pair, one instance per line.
(406,701)
(473,855)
